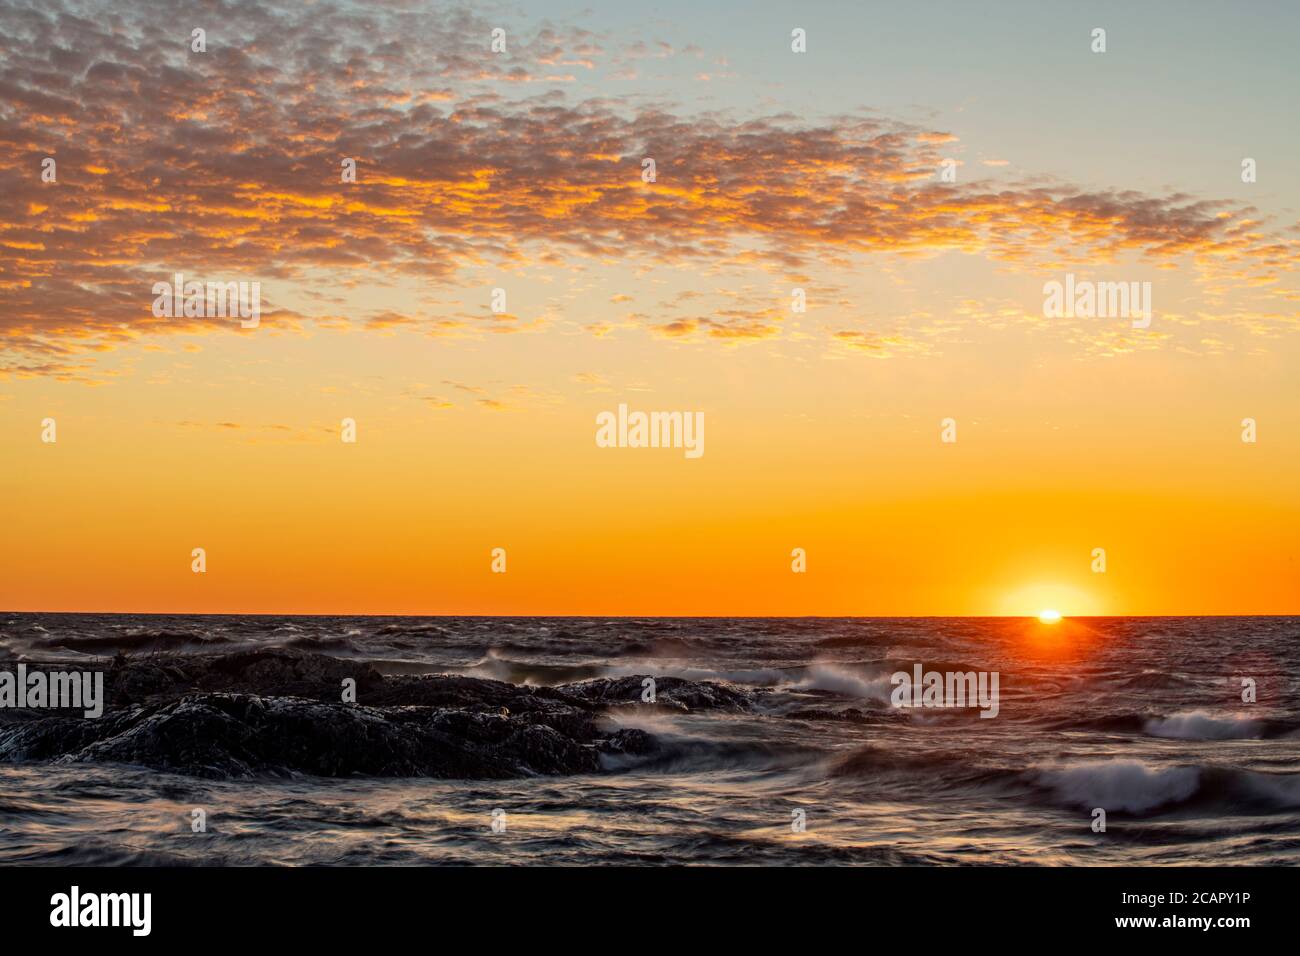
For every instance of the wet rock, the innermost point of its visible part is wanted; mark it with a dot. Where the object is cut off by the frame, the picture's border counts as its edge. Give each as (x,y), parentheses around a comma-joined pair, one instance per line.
(630,740)
(280,711)
(273,672)
(673,692)
(239,735)
(850,714)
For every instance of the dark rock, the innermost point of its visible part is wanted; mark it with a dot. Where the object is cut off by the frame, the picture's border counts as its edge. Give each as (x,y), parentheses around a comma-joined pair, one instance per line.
(273,672)
(673,692)
(850,714)
(630,740)
(280,711)
(238,735)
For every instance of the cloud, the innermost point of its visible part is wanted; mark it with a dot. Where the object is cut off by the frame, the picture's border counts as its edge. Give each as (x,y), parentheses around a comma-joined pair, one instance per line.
(226,165)
(736,324)
(877,345)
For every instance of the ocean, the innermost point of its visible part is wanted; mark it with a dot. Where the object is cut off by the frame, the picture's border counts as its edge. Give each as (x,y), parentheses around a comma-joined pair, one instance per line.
(1183,731)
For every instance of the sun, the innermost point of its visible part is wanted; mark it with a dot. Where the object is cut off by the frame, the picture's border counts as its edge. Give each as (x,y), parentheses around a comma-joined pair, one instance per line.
(1049,616)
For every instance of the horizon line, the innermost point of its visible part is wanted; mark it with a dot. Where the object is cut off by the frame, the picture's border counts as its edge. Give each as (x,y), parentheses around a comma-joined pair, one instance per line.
(629,617)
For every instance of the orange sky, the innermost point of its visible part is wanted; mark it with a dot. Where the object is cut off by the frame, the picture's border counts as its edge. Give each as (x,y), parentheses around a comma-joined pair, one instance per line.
(476,428)
(893,521)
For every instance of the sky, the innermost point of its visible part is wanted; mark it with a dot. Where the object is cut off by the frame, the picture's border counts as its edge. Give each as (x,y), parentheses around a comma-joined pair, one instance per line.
(920,172)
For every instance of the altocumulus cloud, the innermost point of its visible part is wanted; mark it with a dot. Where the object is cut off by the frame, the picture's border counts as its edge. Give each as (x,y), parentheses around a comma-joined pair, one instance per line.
(227,163)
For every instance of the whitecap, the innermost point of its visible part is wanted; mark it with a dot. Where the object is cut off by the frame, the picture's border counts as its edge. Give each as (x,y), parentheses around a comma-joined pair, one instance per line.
(1121,784)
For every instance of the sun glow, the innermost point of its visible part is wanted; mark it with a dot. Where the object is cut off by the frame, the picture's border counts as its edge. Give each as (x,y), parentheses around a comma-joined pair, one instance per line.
(1026,600)
(1049,616)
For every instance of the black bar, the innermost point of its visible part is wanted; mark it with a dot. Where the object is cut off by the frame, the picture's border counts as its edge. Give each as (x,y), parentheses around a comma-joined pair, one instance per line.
(649,907)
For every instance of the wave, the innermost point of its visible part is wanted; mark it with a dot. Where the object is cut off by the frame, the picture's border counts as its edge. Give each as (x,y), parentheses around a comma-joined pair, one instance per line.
(947,767)
(1156,680)
(323,642)
(412,627)
(844,681)
(1183,725)
(496,666)
(850,640)
(1279,789)
(1135,787)
(675,751)
(1108,724)
(1115,785)
(705,755)
(136,641)
(1120,784)
(1199,725)
(493,666)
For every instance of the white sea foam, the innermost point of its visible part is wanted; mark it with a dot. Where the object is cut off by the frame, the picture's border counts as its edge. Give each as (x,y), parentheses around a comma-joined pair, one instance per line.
(842,680)
(1121,784)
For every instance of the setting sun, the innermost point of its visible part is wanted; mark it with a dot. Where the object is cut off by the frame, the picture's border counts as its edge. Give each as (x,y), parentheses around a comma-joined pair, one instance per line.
(1049,616)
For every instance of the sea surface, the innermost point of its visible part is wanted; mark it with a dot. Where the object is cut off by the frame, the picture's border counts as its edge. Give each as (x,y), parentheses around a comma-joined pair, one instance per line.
(1143,718)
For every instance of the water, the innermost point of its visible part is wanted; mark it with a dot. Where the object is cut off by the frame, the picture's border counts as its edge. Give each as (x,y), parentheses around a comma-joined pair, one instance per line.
(1142,717)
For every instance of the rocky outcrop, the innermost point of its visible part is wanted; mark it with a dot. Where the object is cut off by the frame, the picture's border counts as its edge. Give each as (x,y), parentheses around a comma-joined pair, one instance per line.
(671,692)
(281,712)
(850,715)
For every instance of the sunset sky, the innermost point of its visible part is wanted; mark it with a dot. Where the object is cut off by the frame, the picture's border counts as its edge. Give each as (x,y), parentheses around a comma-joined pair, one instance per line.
(775,171)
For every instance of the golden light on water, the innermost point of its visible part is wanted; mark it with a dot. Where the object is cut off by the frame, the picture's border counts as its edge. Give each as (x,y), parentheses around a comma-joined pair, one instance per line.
(1049,616)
